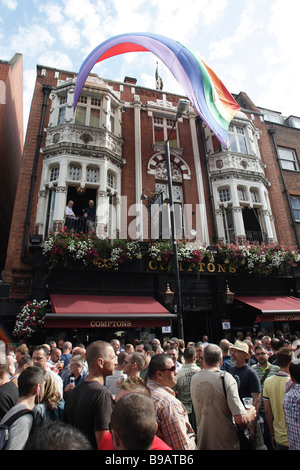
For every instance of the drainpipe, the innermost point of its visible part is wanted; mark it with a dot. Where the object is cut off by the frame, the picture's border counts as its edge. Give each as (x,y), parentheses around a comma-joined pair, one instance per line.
(209,182)
(272,133)
(46,90)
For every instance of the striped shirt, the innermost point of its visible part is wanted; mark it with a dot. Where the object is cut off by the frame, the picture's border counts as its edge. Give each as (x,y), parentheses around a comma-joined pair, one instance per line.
(291,408)
(173,425)
(261,372)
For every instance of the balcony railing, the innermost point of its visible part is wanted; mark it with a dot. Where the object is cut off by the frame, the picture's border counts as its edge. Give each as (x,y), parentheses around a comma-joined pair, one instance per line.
(255,236)
(79,224)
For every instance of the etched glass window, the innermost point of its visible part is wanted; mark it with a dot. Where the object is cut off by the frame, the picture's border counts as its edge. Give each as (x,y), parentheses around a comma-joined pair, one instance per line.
(224,195)
(74,173)
(92,175)
(110,180)
(254,196)
(241,194)
(54,173)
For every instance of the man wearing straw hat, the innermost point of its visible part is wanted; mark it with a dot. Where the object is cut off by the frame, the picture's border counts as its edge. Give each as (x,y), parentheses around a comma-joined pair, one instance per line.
(247,379)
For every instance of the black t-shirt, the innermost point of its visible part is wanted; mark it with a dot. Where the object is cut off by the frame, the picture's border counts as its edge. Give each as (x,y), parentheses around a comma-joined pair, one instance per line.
(88,407)
(9,394)
(90,211)
(247,380)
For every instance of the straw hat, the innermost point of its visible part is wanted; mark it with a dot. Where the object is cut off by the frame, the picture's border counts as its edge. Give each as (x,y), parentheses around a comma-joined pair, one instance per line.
(241,346)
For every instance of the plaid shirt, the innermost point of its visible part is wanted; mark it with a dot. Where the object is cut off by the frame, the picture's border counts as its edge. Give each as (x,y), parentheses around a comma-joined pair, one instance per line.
(291,408)
(173,425)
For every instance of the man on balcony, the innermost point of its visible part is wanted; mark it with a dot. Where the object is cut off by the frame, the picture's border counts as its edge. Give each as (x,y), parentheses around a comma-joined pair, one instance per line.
(89,215)
(70,216)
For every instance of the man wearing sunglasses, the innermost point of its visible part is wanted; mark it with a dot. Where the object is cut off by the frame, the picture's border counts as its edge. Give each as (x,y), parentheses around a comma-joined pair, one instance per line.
(173,425)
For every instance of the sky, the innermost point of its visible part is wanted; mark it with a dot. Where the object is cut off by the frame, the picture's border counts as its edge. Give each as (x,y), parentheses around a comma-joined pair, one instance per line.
(252,45)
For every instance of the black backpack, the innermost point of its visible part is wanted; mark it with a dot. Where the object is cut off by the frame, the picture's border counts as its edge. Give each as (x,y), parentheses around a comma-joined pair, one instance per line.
(4,427)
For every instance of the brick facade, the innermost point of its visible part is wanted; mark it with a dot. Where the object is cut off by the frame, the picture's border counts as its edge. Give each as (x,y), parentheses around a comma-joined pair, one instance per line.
(11,142)
(134,156)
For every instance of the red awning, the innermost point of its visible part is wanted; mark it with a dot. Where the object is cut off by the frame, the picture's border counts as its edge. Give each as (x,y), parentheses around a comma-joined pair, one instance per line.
(93,311)
(274,308)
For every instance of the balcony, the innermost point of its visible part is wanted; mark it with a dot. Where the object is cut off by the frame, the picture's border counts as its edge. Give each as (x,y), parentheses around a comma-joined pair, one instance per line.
(231,162)
(256,237)
(82,139)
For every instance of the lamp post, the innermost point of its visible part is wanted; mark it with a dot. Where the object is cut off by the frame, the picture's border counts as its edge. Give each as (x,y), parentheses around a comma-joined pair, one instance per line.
(182,107)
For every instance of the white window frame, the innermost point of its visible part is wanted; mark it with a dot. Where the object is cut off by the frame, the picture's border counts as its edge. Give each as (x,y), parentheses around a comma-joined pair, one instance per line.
(288,159)
(237,135)
(89,103)
(224,194)
(166,124)
(92,174)
(74,172)
(62,110)
(228,231)
(54,174)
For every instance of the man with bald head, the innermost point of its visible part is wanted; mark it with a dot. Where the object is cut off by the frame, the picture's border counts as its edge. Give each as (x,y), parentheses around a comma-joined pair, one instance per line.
(88,406)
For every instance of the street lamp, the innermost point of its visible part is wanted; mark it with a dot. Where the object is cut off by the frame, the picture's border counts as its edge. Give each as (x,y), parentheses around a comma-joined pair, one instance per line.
(183,106)
(228,296)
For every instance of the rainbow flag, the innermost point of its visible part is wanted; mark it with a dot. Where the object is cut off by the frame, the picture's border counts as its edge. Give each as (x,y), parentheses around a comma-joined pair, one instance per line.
(206,92)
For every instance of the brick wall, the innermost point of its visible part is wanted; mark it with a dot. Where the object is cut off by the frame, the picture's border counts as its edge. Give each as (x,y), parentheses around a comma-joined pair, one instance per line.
(18,272)
(11,142)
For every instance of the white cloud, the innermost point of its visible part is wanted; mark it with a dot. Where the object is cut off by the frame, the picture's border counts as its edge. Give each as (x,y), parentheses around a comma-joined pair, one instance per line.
(279,80)
(31,40)
(29,77)
(247,25)
(11,4)
(56,59)
(69,34)
(52,12)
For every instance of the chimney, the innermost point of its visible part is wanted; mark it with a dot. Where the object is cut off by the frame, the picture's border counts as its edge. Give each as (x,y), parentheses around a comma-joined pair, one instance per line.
(130,80)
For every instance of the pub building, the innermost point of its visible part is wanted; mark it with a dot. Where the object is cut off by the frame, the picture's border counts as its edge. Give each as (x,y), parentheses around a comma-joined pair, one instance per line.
(112,151)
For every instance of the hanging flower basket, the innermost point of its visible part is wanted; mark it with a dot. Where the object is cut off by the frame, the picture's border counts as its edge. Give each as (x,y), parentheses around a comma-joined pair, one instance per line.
(260,259)
(188,253)
(64,246)
(30,320)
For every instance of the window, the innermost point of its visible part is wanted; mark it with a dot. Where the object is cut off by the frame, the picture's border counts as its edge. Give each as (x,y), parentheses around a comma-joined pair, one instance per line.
(112,118)
(228,225)
(160,212)
(92,175)
(162,127)
(254,196)
(74,173)
(272,117)
(241,194)
(237,139)
(88,111)
(224,195)
(62,110)
(288,159)
(295,201)
(110,180)
(54,173)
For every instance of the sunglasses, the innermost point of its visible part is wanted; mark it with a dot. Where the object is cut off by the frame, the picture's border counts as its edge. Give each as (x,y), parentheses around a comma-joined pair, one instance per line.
(171,369)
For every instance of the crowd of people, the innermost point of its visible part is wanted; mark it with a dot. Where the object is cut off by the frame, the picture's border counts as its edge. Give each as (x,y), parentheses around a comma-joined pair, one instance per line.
(237,395)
